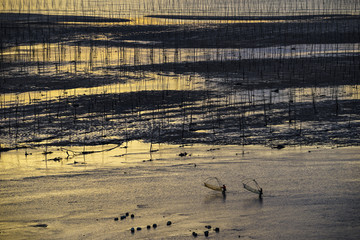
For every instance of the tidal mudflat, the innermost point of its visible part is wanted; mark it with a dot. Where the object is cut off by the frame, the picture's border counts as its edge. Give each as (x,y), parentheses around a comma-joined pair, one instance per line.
(309,193)
(108,109)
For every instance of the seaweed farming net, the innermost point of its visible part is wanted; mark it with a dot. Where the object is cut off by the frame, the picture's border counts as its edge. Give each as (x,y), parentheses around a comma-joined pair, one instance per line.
(131,8)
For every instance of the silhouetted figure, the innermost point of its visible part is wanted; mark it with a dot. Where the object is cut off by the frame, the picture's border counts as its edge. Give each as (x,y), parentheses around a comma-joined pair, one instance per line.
(260,193)
(223,188)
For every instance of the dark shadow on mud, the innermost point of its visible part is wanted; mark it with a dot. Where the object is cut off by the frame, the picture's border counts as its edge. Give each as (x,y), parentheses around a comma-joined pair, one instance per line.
(30,18)
(269,73)
(304,30)
(241,74)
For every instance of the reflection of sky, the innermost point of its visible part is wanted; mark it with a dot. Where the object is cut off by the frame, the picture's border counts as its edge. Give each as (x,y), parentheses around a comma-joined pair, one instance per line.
(134,8)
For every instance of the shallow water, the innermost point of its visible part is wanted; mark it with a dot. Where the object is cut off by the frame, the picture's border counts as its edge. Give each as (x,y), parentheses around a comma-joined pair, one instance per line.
(308,193)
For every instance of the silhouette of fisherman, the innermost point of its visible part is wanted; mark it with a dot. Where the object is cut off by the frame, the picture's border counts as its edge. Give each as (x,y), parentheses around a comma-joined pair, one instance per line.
(260,193)
(223,189)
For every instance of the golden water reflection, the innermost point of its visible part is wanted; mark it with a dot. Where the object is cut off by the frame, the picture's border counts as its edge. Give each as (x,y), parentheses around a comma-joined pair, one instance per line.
(182,83)
(153,82)
(135,8)
(78,58)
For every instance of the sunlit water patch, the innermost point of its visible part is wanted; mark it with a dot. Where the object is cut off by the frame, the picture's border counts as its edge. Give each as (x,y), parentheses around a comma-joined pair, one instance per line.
(148,82)
(57,59)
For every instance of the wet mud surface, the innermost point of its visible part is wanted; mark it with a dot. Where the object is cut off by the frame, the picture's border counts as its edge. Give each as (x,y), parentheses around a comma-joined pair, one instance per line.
(293,98)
